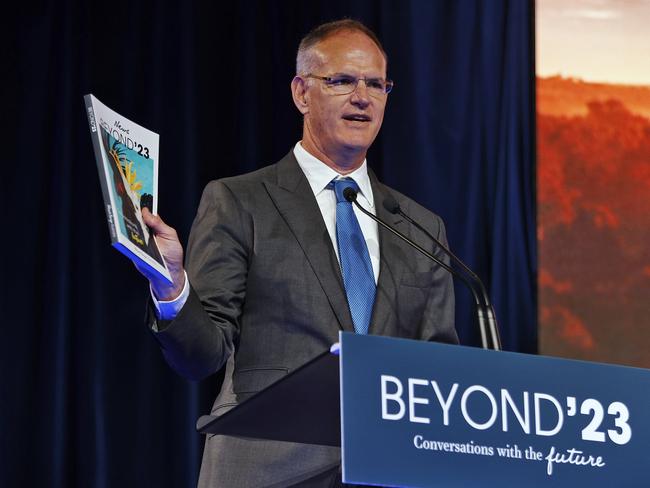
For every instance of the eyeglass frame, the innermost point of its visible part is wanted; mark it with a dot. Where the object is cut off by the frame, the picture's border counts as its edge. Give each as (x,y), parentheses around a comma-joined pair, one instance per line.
(389,84)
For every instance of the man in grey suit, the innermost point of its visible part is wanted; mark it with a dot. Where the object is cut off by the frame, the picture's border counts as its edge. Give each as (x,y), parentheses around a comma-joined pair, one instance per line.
(265,290)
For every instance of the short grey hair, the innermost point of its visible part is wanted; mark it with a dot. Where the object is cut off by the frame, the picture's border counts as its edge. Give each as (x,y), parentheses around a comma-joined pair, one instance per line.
(307,60)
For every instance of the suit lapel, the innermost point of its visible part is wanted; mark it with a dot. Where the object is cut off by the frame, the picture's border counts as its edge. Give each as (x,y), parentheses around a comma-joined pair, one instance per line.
(384,314)
(296,203)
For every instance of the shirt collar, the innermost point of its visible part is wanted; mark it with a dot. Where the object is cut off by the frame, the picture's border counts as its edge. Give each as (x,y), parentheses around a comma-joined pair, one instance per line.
(319,174)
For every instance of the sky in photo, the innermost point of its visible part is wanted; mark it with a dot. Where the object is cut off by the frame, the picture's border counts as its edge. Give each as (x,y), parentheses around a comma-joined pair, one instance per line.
(594,40)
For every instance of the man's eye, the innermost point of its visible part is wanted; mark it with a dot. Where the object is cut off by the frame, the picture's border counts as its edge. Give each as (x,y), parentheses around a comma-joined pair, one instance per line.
(342,81)
(375,84)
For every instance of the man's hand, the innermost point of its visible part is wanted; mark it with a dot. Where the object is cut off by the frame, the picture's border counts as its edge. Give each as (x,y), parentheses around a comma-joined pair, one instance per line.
(172,250)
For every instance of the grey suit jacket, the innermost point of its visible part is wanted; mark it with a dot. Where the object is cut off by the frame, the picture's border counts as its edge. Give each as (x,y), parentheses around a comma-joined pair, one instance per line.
(267,296)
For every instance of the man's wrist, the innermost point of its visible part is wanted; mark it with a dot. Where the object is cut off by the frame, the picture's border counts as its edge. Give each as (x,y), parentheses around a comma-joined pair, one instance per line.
(168,293)
(168,309)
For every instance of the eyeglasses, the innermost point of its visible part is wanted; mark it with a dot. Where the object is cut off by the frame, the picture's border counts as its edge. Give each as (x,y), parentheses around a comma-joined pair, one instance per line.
(346,84)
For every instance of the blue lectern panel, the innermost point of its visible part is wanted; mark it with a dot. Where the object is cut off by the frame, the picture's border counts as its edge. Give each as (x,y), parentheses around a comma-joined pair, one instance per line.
(424,414)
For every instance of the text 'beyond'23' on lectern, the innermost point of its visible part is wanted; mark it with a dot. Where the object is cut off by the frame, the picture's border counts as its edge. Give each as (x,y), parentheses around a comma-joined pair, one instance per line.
(421,414)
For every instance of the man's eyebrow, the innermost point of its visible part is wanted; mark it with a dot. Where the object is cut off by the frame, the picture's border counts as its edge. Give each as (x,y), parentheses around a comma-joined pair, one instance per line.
(339,73)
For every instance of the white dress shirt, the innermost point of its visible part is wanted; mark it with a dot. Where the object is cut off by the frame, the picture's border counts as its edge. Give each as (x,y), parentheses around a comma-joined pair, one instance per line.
(319,176)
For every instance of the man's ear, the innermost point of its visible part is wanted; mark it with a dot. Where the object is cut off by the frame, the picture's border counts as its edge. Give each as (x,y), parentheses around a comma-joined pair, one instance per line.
(299,93)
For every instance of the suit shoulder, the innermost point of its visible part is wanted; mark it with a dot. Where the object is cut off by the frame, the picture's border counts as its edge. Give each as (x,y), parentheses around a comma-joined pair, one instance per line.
(245,181)
(410,206)
(425,217)
(244,187)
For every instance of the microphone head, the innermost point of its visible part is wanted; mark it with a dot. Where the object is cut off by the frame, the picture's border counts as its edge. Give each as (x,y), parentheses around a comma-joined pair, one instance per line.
(350,194)
(391,204)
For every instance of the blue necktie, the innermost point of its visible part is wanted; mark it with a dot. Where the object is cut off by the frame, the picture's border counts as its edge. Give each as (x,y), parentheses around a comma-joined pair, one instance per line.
(358,277)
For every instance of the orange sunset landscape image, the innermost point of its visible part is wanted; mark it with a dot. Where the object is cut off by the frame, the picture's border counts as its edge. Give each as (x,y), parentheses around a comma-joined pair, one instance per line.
(593,180)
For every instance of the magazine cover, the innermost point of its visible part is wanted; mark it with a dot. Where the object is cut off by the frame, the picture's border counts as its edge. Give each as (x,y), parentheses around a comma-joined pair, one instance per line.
(127,161)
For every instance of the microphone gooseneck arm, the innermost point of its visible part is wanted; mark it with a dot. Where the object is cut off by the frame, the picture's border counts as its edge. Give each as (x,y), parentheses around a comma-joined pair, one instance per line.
(351,196)
(391,205)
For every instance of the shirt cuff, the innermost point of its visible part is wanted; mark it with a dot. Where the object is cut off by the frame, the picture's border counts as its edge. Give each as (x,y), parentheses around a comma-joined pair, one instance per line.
(168,309)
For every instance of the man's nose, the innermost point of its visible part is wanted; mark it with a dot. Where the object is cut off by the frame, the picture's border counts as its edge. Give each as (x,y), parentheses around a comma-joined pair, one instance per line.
(360,93)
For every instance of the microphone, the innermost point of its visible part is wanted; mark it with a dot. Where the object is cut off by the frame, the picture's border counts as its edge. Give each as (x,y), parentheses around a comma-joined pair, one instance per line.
(392,206)
(350,195)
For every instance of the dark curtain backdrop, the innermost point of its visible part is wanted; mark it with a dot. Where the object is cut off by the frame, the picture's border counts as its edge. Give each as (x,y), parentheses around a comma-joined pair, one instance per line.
(86,398)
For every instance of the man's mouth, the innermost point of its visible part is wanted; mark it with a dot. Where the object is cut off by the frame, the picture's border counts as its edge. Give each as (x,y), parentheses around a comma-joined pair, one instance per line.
(357,117)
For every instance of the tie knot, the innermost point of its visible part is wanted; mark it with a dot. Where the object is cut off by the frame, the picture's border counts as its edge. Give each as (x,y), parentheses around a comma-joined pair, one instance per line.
(340,185)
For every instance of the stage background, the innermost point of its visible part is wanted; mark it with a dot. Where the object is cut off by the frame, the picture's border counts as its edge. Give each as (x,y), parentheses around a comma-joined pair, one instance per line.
(86,398)
(593,123)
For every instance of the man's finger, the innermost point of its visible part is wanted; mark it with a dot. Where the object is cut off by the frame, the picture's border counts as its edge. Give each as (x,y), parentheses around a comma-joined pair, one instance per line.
(155,223)
(150,219)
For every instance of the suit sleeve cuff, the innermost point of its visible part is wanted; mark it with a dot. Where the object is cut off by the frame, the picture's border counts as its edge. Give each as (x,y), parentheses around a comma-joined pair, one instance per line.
(168,310)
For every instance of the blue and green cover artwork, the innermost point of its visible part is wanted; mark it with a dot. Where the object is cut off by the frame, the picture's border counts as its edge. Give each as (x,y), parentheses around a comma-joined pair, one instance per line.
(131,183)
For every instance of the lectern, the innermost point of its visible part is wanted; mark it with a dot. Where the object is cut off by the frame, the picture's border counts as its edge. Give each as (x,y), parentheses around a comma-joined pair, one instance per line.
(411,413)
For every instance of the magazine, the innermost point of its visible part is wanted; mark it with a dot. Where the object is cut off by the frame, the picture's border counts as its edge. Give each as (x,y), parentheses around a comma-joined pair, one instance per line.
(127,161)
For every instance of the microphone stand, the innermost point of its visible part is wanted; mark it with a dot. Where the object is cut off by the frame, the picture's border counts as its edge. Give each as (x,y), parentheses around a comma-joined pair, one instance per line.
(351,196)
(489,309)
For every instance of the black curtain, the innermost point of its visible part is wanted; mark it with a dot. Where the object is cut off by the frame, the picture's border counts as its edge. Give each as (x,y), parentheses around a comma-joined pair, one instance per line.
(86,398)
